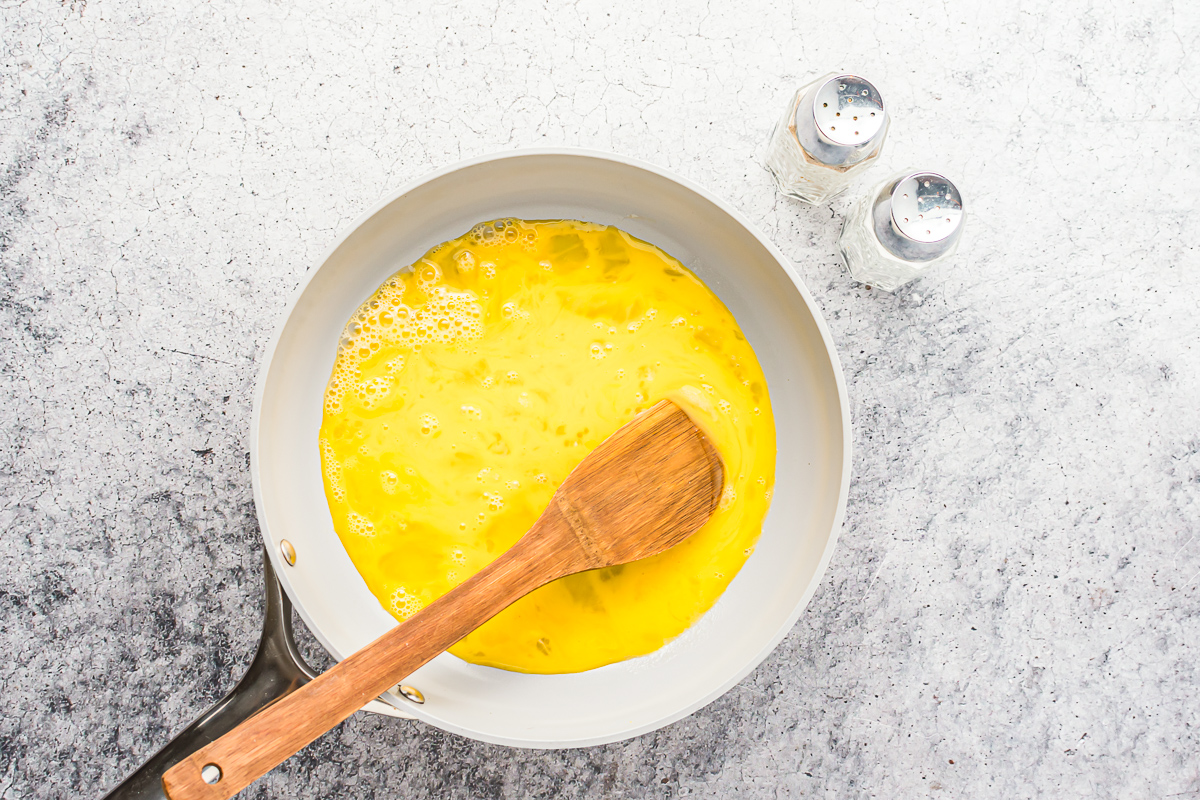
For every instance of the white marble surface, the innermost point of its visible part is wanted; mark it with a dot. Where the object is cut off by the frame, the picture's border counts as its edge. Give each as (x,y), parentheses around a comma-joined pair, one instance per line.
(1014,606)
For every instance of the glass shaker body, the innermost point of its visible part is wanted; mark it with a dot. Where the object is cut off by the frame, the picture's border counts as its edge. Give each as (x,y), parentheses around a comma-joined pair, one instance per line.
(900,229)
(829,134)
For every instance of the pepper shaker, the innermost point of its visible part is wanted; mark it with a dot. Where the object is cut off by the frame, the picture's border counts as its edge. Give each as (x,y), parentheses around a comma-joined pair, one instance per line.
(899,230)
(831,132)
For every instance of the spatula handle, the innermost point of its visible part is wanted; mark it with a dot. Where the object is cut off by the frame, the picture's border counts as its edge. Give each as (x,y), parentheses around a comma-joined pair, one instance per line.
(277,732)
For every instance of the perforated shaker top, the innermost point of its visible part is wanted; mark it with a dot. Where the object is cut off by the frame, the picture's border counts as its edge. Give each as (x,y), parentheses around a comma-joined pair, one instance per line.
(848,110)
(926,207)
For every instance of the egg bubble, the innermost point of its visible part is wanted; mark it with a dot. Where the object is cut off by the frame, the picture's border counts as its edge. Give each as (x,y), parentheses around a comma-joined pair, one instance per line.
(361,525)
(427,274)
(333,470)
(333,402)
(370,392)
(490,233)
(429,424)
(405,603)
(728,496)
(389,481)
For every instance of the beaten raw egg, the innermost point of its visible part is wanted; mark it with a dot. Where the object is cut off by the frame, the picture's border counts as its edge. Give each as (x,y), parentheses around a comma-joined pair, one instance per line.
(471,383)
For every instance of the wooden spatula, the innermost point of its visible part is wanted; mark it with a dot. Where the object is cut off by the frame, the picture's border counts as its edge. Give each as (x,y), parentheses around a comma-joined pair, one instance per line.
(644,489)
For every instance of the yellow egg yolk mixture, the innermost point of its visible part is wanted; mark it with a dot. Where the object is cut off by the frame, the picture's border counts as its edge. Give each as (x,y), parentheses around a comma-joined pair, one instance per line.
(469,385)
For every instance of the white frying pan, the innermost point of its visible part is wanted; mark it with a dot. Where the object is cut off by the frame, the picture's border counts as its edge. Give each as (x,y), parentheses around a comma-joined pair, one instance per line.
(807,393)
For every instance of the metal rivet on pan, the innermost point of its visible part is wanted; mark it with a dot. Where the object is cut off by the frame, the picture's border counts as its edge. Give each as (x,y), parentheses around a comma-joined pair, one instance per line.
(210,773)
(289,552)
(411,693)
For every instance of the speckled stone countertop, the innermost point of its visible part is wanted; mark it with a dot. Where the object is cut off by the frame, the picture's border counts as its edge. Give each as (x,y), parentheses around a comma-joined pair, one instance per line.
(1014,606)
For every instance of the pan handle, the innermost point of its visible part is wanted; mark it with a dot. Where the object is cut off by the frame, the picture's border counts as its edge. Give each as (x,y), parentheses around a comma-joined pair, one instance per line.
(277,670)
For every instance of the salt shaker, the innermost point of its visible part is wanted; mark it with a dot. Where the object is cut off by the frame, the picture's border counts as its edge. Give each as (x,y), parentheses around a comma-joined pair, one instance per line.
(831,132)
(897,231)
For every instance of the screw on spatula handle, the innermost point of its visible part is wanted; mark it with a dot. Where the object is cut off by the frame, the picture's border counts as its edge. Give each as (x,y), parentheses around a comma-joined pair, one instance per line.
(644,489)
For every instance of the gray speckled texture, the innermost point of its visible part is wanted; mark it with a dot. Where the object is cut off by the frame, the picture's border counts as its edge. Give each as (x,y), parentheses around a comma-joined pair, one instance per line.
(1014,606)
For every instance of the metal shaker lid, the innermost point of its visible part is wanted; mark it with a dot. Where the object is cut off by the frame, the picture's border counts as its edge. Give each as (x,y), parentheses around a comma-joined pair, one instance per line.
(841,120)
(918,216)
